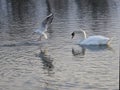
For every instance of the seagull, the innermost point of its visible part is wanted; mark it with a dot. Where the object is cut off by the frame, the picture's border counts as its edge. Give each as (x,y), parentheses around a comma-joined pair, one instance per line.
(92,40)
(44,26)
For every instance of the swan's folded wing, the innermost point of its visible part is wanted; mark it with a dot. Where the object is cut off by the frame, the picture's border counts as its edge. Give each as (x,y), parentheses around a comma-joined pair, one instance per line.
(95,40)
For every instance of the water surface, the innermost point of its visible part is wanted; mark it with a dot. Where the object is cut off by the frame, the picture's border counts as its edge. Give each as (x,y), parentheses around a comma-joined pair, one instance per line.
(58,63)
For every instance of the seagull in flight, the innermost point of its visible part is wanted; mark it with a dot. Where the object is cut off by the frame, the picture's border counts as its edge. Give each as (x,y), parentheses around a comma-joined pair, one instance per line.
(44,26)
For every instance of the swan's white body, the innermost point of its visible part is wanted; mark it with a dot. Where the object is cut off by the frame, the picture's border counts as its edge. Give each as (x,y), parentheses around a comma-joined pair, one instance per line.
(93,40)
(44,26)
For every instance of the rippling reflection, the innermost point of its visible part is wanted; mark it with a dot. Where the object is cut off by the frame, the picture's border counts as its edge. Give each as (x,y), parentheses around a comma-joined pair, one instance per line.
(93,48)
(57,66)
(47,60)
(98,16)
(77,52)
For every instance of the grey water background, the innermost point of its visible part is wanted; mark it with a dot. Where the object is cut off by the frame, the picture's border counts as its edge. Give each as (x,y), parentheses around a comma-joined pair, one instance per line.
(58,63)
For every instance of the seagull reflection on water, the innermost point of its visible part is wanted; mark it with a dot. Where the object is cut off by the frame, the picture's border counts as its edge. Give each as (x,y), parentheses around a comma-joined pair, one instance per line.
(46,60)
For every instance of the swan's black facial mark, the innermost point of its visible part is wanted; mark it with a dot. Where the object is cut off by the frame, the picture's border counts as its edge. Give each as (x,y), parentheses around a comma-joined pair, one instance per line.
(73,34)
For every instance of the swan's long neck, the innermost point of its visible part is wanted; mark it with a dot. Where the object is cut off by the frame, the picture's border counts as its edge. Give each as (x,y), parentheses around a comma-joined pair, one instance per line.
(84,33)
(85,36)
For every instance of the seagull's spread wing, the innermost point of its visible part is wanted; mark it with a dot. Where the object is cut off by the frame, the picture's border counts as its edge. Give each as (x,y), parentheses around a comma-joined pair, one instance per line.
(47,21)
(45,24)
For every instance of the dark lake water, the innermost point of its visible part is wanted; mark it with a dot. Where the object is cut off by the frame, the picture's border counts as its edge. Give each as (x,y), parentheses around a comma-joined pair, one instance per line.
(58,63)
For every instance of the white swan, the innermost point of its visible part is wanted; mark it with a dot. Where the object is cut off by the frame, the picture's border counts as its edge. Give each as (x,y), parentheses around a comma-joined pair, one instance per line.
(92,40)
(44,26)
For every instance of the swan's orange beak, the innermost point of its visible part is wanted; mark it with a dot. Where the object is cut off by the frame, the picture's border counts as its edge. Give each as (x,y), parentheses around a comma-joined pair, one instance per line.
(73,34)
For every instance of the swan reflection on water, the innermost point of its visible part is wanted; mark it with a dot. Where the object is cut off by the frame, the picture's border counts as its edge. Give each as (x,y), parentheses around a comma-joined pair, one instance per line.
(78,52)
(93,48)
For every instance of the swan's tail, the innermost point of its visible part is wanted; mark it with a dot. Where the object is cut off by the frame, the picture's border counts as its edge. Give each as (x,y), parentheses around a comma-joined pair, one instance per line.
(110,40)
